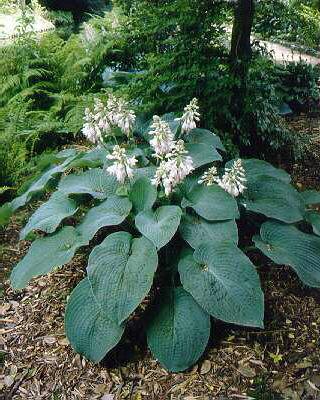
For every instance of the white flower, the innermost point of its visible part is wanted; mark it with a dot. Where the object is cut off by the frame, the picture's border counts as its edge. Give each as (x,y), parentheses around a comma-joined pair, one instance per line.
(90,129)
(190,116)
(183,163)
(209,177)
(112,106)
(89,35)
(163,139)
(162,176)
(126,121)
(174,168)
(120,114)
(233,180)
(101,115)
(100,121)
(123,166)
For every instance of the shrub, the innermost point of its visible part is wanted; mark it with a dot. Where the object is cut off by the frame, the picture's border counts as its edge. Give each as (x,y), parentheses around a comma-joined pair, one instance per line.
(299,82)
(176,227)
(178,53)
(173,62)
(289,20)
(12,166)
(264,131)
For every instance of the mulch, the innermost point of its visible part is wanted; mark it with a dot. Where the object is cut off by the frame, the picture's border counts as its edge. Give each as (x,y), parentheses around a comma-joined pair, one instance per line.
(280,362)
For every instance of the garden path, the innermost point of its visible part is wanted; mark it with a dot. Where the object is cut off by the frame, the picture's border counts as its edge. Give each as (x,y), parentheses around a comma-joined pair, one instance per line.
(9,23)
(282,54)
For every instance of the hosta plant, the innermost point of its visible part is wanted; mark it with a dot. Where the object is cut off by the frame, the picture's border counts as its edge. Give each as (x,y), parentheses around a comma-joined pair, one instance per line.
(177,209)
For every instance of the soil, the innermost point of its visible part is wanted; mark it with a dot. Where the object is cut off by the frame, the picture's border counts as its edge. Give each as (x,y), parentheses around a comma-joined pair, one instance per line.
(280,362)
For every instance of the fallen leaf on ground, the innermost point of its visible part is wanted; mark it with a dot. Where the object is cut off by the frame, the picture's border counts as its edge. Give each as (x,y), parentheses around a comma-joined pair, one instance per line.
(205,367)
(246,371)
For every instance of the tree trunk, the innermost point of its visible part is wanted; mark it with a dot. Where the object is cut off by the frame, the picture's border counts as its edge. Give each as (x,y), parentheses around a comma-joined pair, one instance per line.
(240,57)
(241,32)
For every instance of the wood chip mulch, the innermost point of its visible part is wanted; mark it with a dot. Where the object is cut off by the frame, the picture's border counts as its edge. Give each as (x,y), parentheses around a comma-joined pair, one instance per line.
(40,364)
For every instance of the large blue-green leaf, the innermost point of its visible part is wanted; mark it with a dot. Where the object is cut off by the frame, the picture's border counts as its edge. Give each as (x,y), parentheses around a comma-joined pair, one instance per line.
(274,199)
(285,244)
(160,225)
(179,331)
(224,282)
(112,211)
(257,169)
(66,153)
(87,325)
(313,217)
(143,194)
(50,214)
(310,197)
(202,154)
(147,172)
(205,137)
(45,254)
(202,146)
(196,230)
(120,271)
(40,184)
(211,203)
(90,159)
(95,182)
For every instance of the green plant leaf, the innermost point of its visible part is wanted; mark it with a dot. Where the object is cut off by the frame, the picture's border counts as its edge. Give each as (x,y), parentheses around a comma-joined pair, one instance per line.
(205,137)
(112,211)
(211,203)
(179,331)
(120,271)
(45,254)
(224,282)
(313,217)
(202,146)
(88,328)
(160,225)
(6,212)
(95,182)
(147,172)
(50,214)
(143,194)
(40,184)
(310,197)
(188,184)
(286,245)
(66,153)
(257,169)
(202,154)
(90,159)
(274,199)
(196,230)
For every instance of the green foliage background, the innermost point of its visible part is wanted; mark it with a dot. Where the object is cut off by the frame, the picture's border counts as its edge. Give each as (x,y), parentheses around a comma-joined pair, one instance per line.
(150,52)
(294,21)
